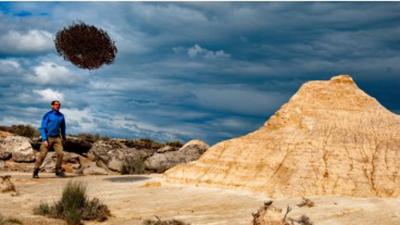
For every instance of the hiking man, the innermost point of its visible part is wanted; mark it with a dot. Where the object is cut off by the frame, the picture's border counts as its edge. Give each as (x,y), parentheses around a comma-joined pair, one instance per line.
(52,132)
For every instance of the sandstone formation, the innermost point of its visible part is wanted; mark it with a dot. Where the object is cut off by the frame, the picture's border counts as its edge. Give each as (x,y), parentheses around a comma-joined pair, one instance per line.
(330,138)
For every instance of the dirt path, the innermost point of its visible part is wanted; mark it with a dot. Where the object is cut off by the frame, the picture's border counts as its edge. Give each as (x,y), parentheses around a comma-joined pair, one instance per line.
(132,202)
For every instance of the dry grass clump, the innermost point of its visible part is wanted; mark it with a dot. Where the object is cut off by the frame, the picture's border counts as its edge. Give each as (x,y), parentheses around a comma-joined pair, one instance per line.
(74,206)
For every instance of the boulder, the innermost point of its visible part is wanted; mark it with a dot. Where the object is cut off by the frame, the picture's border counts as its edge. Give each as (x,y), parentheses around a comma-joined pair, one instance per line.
(112,153)
(165,159)
(19,147)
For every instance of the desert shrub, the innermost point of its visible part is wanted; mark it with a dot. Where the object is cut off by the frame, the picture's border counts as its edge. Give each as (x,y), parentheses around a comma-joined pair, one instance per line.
(176,144)
(133,165)
(43,209)
(158,221)
(74,206)
(143,143)
(8,221)
(92,137)
(95,210)
(22,130)
(86,46)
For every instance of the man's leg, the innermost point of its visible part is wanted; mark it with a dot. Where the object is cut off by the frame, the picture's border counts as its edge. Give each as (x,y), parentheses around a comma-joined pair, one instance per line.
(58,147)
(39,158)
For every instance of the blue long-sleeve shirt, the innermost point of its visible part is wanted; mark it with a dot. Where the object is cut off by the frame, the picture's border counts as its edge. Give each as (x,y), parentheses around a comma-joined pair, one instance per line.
(53,122)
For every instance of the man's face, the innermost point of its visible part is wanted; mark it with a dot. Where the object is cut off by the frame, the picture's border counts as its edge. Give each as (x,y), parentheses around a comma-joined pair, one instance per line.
(56,106)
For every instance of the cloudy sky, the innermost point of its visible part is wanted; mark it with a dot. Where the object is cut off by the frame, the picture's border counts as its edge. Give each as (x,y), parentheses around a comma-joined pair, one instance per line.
(192,70)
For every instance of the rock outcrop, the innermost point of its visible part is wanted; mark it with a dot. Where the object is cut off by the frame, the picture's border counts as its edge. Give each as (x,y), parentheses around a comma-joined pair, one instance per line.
(112,154)
(168,157)
(331,138)
(88,155)
(18,148)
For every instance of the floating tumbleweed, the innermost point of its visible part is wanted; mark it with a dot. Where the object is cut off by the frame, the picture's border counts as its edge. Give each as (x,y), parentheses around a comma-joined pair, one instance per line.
(86,46)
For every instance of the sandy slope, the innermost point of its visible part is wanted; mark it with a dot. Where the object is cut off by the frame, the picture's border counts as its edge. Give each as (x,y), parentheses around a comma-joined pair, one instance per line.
(130,203)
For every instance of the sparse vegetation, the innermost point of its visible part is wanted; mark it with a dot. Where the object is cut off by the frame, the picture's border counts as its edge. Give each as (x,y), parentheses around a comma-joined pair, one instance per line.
(74,206)
(92,137)
(176,144)
(143,143)
(22,130)
(9,221)
(158,221)
(132,165)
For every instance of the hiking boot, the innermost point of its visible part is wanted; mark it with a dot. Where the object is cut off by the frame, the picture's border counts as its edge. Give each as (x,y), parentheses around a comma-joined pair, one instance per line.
(35,173)
(60,173)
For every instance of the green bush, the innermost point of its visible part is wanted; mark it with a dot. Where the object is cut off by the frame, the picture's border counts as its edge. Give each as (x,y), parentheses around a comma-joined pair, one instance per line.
(74,206)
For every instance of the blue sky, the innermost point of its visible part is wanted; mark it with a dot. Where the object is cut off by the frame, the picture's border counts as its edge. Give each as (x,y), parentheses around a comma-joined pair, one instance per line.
(192,70)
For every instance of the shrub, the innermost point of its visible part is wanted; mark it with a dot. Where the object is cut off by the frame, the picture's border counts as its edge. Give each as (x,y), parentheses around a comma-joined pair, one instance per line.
(92,137)
(133,165)
(176,144)
(22,130)
(74,206)
(143,143)
(86,46)
(43,209)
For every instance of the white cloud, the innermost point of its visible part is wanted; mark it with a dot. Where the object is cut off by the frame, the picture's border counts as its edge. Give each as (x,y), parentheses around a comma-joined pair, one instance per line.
(32,41)
(198,51)
(52,73)
(48,95)
(79,120)
(9,67)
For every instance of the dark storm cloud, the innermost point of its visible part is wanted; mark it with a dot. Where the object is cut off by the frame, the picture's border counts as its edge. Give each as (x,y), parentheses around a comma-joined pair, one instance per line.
(193,70)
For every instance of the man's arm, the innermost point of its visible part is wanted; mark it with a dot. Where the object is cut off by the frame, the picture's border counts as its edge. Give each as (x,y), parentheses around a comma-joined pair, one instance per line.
(43,128)
(63,128)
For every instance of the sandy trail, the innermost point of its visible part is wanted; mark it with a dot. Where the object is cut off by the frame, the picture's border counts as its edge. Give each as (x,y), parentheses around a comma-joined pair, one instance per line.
(132,202)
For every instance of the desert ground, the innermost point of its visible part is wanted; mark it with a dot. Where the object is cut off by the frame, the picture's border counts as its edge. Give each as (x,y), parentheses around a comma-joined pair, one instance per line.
(134,198)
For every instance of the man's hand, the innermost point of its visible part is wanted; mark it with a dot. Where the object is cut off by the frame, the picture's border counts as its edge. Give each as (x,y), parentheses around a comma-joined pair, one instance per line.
(46,143)
(64,139)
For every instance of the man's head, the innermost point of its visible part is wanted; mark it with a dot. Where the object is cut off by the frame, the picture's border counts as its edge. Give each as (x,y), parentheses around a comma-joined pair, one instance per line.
(55,105)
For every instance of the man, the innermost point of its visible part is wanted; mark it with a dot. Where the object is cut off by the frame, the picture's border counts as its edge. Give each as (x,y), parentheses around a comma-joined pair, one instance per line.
(53,134)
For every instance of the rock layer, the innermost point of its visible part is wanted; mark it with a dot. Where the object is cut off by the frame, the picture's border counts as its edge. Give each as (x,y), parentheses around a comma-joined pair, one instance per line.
(331,138)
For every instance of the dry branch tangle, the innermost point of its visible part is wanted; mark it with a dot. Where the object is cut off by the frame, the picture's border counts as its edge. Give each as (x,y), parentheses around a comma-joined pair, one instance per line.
(331,138)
